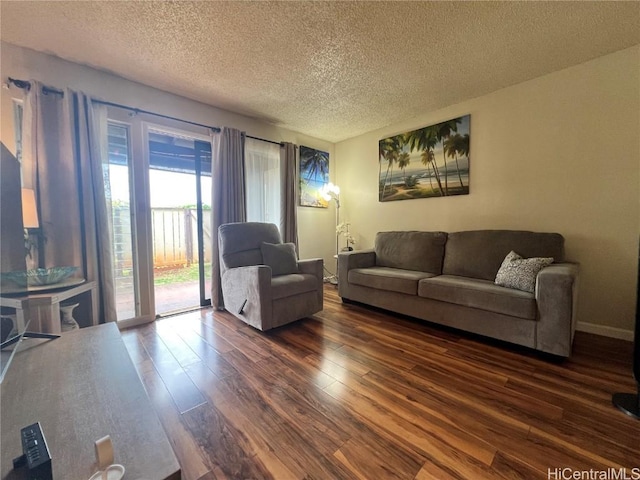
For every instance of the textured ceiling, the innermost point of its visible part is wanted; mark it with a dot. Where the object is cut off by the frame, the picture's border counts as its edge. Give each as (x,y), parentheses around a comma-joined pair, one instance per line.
(332,70)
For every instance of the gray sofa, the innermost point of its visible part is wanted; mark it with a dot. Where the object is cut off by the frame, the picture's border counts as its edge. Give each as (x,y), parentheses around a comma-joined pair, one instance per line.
(448,278)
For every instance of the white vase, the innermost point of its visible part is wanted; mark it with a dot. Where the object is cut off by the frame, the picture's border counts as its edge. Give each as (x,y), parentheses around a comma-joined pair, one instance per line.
(67,320)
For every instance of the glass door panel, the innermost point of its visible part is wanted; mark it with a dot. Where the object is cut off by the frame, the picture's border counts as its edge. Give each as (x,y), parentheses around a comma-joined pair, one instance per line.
(118,190)
(203,171)
(177,182)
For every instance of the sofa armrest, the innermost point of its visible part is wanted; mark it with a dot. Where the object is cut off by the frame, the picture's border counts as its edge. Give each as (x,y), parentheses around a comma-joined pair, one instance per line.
(556,297)
(350,260)
(253,284)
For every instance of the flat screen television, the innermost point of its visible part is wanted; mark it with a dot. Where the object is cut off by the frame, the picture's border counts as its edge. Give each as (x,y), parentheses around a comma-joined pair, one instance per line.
(14,335)
(10,337)
(12,249)
(629,403)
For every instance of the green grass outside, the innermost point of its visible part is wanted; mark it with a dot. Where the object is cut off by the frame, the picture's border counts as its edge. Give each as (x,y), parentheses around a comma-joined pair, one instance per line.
(170,275)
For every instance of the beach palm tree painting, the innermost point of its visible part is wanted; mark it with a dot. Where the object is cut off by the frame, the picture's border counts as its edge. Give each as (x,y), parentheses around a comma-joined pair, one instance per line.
(314,174)
(429,162)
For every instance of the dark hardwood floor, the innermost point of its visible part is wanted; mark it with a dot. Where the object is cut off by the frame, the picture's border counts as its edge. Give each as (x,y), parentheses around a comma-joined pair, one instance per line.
(356,393)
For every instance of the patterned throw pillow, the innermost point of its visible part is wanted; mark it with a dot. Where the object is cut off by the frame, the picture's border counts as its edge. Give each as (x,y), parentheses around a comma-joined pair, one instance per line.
(520,273)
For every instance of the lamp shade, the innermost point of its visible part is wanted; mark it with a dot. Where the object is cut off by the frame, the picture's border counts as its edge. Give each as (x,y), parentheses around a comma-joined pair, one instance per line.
(29,211)
(329,191)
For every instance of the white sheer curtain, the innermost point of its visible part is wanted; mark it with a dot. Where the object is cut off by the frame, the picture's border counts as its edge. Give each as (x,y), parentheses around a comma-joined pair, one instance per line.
(262,177)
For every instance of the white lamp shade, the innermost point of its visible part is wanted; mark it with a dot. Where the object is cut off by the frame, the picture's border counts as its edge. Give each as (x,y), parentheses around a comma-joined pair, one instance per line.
(329,188)
(29,211)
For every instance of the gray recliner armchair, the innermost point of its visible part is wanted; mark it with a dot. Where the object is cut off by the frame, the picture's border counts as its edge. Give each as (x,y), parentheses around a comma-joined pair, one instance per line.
(263,283)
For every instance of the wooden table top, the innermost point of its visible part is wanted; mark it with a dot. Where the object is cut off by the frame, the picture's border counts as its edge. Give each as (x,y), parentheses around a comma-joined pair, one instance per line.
(81,387)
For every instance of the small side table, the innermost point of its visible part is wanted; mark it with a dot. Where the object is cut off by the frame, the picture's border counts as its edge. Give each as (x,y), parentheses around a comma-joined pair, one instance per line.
(41,305)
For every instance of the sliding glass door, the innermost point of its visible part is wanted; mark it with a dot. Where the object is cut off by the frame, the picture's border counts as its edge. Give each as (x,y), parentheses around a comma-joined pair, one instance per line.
(180,203)
(159,186)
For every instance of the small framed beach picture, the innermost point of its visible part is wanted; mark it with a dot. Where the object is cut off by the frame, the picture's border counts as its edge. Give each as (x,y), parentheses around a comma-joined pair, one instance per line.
(314,174)
(429,162)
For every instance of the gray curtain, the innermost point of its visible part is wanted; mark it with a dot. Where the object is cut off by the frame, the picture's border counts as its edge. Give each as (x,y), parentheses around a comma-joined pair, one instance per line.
(228,195)
(64,149)
(92,154)
(50,169)
(288,198)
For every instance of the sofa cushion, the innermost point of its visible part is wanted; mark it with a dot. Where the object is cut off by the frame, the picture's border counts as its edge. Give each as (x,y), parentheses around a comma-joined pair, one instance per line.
(479,254)
(281,257)
(482,294)
(520,273)
(419,251)
(385,278)
(293,284)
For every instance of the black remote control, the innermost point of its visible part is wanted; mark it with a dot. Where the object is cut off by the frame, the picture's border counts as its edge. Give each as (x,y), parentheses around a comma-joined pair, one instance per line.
(36,456)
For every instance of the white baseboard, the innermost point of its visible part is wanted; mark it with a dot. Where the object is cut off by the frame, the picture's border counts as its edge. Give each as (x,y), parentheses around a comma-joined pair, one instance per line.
(605,331)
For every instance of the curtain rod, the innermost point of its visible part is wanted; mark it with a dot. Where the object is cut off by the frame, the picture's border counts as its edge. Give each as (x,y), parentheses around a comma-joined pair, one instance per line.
(26,85)
(138,110)
(265,140)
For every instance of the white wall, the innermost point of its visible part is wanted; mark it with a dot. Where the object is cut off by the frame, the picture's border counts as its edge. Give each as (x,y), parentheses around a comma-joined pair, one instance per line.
(560,153)
(316,226)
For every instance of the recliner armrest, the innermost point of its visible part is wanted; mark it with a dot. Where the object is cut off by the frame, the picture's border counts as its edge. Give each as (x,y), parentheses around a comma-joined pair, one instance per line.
(556,297)
(315,267)
(312,266)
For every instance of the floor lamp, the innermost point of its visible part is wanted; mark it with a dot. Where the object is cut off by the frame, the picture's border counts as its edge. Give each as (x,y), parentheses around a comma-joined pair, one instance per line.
(332,192)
